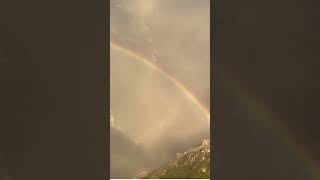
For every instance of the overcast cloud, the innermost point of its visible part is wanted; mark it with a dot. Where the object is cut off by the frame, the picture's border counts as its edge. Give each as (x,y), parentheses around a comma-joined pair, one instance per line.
(153,119)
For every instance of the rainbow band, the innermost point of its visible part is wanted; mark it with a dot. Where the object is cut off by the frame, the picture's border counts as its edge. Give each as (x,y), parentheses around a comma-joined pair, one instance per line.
(144,60)
(268,119)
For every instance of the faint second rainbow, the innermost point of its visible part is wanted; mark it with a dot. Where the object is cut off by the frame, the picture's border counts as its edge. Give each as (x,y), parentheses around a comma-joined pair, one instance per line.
(179,85)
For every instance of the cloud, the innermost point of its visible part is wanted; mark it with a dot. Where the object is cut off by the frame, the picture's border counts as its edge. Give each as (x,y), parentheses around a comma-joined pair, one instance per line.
(154,119)
(126,156)
(180,33)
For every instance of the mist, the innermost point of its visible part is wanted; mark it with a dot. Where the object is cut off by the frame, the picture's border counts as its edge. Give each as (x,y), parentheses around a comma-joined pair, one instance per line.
(153,119)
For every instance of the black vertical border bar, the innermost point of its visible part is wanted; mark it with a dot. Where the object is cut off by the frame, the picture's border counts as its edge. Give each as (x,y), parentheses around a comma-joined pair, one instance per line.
(61,64)
(108,92)
(213,143)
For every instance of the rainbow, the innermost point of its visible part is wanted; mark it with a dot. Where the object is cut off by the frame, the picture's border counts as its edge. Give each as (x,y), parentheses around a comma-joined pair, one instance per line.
(268,119)
(265,116)
(144,60)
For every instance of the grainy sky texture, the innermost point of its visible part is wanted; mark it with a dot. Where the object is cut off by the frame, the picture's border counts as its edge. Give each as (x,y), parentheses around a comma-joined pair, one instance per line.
(152,118)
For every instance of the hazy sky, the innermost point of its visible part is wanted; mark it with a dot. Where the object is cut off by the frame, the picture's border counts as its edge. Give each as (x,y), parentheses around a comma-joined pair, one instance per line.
(153,119)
